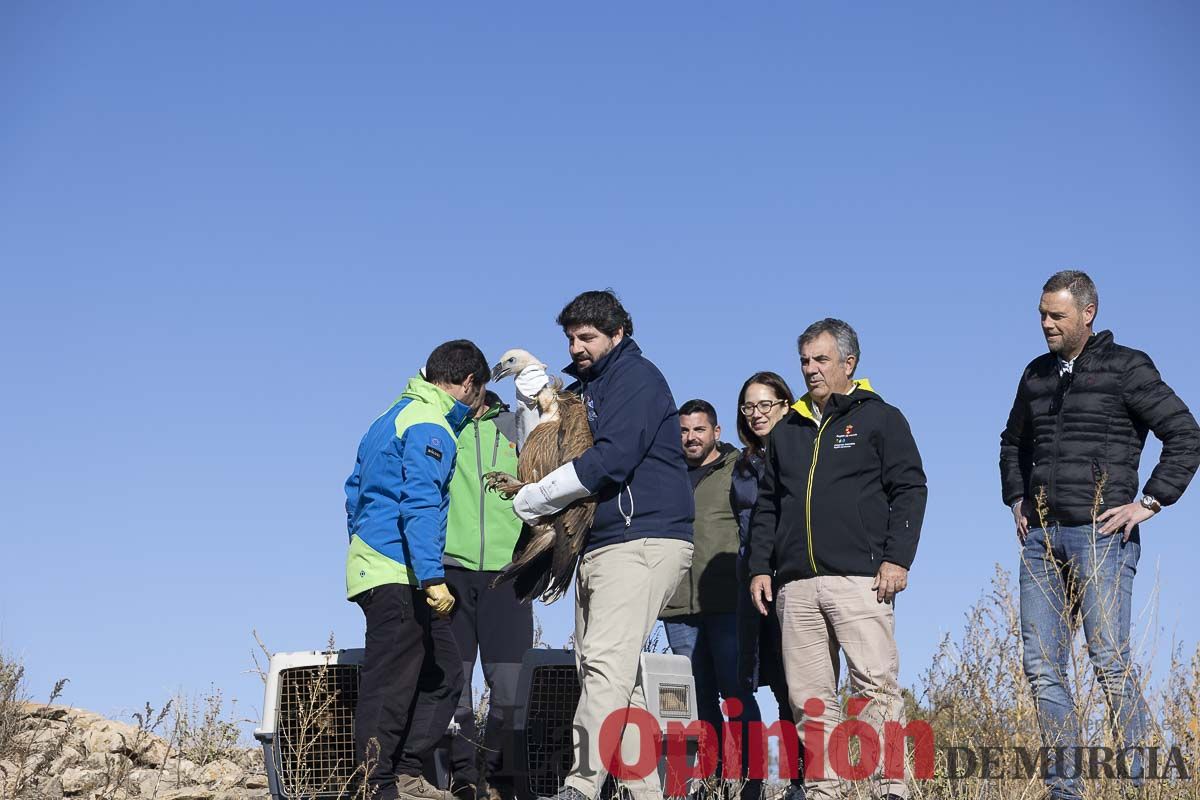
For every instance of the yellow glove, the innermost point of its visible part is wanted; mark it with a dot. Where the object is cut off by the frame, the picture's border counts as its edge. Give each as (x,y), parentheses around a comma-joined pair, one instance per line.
(439,598)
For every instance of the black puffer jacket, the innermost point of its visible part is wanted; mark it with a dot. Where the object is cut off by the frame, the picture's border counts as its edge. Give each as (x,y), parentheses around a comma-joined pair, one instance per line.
(1069,435)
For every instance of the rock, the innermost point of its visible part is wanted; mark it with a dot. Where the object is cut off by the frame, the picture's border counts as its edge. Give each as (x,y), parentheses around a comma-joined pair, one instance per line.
(256,780)
(223,773)
(76,780)
(151,751)
(248,794)
(188,793)
(51,789)
(113,768)
(31,764)
(42,711)
(146,781)
(34,740)
(67,757)
(180,771)
(107,736)
(118,793)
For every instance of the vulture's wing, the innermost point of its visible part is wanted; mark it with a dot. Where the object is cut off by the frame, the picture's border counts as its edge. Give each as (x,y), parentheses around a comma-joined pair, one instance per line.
(546,554)
(573,437)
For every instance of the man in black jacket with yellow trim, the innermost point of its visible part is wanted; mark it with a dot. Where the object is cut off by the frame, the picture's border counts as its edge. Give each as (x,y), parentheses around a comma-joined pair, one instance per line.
(1069,459)
(839,514)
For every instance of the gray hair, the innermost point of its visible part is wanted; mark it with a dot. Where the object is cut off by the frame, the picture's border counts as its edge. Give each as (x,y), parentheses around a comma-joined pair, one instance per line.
(1078,283)
(842,333)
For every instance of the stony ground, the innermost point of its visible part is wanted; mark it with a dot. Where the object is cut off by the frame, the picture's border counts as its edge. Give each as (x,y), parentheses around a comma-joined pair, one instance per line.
(63,752)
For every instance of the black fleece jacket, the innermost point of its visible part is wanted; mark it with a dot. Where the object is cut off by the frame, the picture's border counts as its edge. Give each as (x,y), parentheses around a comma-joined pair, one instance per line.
(841,497)
(1070,437)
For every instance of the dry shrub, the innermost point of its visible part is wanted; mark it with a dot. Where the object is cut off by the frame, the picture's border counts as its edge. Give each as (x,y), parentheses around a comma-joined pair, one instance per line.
(976,695)
(204,731)
(27,748)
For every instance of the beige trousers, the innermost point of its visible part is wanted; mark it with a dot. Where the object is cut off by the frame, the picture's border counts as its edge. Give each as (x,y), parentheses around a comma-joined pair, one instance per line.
(619,592)
(818,616)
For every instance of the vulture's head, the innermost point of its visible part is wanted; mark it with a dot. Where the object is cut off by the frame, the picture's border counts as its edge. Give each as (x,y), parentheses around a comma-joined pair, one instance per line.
(512,362)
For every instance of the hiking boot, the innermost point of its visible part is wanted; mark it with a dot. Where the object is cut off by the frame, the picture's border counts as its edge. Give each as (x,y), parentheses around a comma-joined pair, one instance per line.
(415,787)
(465,791)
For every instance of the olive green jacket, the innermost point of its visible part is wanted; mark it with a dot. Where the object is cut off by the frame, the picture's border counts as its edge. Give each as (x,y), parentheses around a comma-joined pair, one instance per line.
(710,586)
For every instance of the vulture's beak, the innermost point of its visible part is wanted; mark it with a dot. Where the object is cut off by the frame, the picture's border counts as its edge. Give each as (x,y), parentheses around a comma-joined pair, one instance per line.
(500,371)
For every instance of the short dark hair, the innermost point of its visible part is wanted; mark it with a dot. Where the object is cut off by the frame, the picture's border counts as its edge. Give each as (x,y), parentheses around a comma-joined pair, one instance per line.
(1078,283)
(451,362)
(699,406)
(600,309)
(842,333)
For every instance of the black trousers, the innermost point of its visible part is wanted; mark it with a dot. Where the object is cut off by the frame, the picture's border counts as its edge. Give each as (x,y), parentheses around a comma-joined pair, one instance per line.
(408,685)
(493,622)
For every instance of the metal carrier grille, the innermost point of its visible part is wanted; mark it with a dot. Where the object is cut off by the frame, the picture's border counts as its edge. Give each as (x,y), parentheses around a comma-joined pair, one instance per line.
(673,701)
(553,695)
(315,729)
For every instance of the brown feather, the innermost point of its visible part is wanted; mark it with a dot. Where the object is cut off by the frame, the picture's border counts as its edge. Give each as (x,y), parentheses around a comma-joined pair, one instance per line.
(552,443)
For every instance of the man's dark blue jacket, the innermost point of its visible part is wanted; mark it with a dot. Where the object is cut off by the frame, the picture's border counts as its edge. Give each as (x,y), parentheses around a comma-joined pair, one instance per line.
(635,467)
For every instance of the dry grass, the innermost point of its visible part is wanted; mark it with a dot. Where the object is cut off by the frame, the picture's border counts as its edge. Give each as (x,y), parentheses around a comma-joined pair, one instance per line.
(975,695)
(27,751)
(203,730)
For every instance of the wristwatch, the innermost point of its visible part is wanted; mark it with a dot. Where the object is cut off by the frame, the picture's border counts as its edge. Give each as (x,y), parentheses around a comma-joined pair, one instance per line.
(1150,504)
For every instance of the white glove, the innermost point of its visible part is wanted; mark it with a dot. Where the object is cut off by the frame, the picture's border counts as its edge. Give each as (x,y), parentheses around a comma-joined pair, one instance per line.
(530,381)
(550,495)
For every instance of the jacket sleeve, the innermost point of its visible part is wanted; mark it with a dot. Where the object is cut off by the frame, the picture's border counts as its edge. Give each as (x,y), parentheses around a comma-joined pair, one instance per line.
(904,484)
(764,519)
(353,486)
(427,464)
(624,432)
(741,510)
(1016,448)
(1152,404)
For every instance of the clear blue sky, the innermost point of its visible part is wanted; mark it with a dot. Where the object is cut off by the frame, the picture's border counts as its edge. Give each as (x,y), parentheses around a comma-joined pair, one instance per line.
(230,231)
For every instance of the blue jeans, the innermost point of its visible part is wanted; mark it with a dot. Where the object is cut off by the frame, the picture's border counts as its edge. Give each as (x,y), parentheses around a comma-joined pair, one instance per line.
(1064,569)
(710,641)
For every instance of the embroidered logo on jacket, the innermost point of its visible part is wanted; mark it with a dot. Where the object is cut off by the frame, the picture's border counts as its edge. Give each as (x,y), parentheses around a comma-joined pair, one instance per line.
(433,452)
(845,440)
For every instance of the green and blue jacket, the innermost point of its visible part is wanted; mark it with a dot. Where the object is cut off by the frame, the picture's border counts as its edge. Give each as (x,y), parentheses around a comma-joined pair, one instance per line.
(398,495)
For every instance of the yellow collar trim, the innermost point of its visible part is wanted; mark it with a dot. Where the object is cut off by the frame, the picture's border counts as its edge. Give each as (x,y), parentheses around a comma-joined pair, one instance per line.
(804,406)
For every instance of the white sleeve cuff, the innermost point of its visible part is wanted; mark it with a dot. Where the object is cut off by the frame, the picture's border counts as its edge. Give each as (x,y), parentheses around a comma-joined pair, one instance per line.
(550,495)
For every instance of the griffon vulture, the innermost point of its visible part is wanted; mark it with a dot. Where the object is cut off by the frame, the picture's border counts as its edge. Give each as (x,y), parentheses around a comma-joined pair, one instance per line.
(548,549)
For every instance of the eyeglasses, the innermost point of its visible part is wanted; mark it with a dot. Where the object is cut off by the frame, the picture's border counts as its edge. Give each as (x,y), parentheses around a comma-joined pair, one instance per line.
(762,407)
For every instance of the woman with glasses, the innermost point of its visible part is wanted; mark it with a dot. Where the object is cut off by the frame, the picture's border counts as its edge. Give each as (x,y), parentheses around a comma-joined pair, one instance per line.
(764,400)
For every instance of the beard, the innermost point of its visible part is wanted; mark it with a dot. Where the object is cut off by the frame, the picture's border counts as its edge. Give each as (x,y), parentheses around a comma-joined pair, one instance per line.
(1067,343)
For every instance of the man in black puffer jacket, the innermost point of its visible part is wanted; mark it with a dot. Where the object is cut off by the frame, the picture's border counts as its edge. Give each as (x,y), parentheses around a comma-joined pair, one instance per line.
(1069,462)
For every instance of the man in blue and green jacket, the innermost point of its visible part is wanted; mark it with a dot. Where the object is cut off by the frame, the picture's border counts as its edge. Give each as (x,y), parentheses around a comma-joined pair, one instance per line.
(396,505)
(480,539)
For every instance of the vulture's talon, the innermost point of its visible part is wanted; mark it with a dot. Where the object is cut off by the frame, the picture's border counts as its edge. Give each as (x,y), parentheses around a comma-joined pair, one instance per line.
(503,484)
